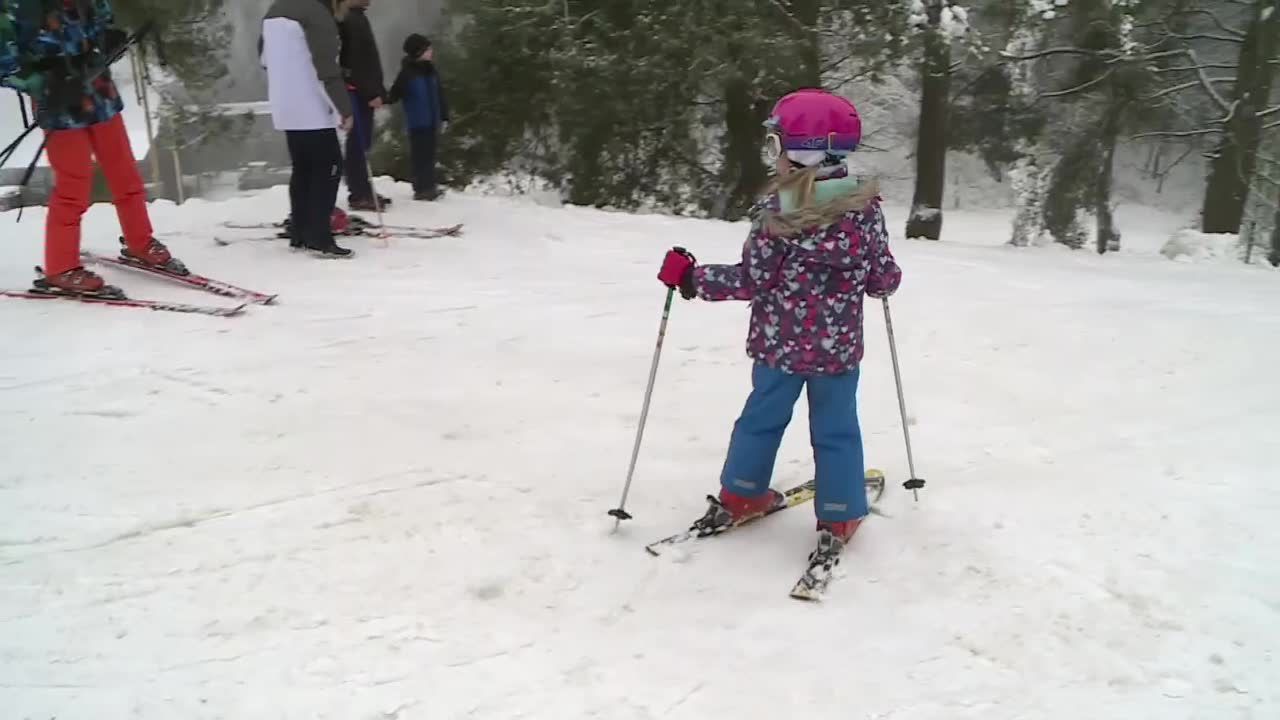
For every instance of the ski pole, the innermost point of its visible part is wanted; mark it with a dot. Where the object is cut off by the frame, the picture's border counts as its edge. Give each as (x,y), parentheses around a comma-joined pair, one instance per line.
(620,512)
(377,203)
(357,128)
(914,484)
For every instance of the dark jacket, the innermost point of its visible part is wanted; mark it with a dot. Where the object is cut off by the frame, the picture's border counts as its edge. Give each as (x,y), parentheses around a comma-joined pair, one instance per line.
(418,84)
(59,58)
(361,66)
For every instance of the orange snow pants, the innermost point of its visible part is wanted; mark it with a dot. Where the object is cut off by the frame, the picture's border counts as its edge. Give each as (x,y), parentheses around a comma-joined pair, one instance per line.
(71,154)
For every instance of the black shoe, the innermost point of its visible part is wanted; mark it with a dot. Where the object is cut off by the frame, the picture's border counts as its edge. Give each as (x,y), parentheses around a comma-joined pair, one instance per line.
(331,250)
(428,195)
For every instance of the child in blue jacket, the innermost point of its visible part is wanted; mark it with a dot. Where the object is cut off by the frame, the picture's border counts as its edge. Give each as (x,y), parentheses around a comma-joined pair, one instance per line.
(425,109)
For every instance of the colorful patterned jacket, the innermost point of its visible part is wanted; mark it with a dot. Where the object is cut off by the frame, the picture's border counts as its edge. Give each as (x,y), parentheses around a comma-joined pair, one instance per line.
(56,51)
(805,273)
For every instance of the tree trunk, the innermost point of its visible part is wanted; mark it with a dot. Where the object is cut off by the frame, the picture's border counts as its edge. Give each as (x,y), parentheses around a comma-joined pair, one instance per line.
(1237,152)
(806,13)
(743,174)
(1274,257)
(931,140)
(1029,181)
(1108,236)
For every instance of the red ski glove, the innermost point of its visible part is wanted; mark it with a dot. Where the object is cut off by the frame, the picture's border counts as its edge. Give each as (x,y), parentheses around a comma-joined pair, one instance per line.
(677,272)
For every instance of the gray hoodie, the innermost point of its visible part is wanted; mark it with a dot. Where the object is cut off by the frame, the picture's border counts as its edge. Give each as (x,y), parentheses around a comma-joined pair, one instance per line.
(321,31)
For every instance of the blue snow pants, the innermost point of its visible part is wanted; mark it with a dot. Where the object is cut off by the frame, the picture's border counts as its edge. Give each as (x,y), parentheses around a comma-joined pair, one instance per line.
(833,432)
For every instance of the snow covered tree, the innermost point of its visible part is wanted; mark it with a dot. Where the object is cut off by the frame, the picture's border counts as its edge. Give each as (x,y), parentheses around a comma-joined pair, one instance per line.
(1097,63)
(1240,128)
(629,102)
(1214,62)
(937,22)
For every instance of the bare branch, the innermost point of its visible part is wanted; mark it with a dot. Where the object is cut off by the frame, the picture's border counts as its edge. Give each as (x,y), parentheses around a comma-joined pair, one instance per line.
(1050,51)
(1208,86)
(1173,89)
(1193,68)
(1175,133)
(1169,168)
(1167,53)
(1208,36)
(1079,88)
(1216,21)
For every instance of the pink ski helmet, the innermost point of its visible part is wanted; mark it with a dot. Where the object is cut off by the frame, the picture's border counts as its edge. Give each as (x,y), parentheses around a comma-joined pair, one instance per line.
(812,120)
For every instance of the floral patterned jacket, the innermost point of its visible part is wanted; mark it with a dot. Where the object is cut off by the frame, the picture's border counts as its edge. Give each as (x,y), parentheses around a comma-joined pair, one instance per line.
(806,289)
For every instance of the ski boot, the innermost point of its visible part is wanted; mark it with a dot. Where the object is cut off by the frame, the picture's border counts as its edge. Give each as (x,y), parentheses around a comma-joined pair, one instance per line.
(76,281)
(156,256)
(832,538)
(428,195)
(732,509)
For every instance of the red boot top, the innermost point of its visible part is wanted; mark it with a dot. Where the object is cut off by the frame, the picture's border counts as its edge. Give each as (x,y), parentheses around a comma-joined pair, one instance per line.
(77,281)
(744,507)
(339,222)
(156,255)
(843,531)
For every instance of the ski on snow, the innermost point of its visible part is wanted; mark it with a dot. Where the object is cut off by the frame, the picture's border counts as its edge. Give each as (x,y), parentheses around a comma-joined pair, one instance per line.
(797,495)
(360,227)
(200,282)
(812,585)
(127,302)
(813,582)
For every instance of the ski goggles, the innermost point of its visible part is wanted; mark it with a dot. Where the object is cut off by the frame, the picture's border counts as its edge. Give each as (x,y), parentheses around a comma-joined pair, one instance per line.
(772,146)
(834,144)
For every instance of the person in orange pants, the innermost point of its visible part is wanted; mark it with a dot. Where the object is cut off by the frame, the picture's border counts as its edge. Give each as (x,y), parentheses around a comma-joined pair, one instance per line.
(59,58)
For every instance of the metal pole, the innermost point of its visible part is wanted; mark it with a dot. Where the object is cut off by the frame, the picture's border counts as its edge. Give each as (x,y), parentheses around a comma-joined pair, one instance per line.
(177,173)
(140,87)
(356,127)
(914,483)
(620,512)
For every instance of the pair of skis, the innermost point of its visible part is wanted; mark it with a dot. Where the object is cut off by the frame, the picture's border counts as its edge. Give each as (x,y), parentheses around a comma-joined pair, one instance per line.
(812,584)
(200,282)
(358,227)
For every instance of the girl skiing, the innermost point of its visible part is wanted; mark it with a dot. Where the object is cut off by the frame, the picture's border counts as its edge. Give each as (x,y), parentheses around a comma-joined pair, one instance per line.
(57,51)
(817,244)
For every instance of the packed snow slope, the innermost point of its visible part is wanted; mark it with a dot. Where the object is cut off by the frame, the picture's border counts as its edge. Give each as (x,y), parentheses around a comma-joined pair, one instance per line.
(386,497)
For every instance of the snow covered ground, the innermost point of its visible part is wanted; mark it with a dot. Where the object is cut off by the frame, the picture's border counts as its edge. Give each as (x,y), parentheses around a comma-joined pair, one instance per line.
(385,498)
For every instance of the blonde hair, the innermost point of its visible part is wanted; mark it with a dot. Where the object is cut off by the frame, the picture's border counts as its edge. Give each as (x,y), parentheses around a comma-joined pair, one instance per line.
(799,186)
